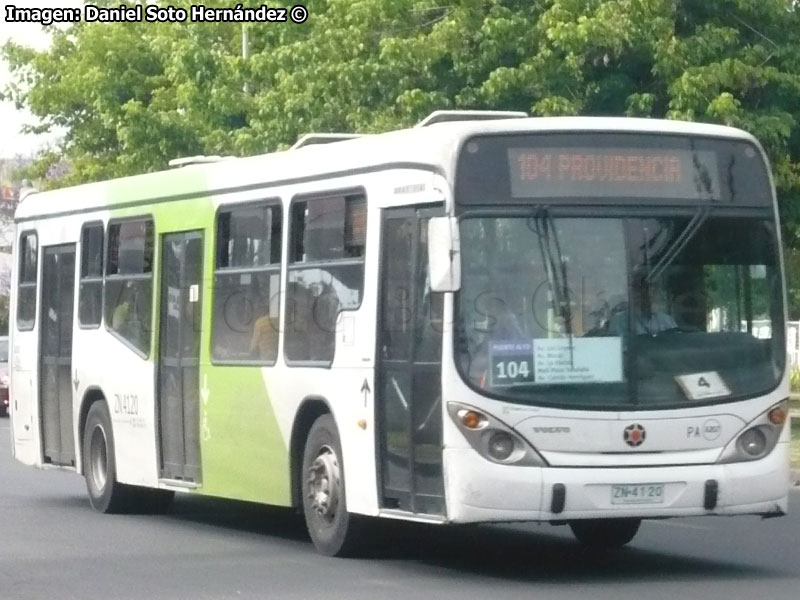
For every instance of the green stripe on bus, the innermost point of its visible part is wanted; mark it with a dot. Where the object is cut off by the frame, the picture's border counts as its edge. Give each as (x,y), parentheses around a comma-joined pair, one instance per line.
(241,448)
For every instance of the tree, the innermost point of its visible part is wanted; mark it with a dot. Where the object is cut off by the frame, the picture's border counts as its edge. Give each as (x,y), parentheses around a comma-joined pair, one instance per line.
(132,96)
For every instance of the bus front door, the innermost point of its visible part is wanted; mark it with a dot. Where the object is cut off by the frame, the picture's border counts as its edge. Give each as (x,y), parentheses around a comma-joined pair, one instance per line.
(409,412)
(179,356)
(55,391)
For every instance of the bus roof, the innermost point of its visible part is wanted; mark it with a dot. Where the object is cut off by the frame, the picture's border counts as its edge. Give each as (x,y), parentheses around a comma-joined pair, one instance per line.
(433,147)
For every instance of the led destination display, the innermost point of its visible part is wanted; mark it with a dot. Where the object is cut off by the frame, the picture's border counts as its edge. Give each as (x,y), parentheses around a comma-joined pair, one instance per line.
(613,172)
(625,168)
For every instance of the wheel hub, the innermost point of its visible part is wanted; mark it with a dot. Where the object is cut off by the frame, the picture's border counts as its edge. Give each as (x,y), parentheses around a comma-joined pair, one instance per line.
(324,484)
(98,459)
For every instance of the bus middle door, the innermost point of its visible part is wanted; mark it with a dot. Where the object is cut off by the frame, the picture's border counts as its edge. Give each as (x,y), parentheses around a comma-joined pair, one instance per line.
(179,356)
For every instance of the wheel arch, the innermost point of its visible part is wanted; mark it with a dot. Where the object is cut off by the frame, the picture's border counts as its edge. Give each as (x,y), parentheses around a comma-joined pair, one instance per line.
(90,396)
(311,408)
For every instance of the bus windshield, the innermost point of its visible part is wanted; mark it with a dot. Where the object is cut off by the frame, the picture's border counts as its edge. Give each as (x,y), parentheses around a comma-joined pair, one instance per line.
(662,309)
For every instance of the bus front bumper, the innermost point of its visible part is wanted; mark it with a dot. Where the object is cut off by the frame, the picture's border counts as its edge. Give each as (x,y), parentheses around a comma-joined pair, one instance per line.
(481,491)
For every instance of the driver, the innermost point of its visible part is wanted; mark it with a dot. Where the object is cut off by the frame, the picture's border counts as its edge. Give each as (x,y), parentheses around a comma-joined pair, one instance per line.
(643,318)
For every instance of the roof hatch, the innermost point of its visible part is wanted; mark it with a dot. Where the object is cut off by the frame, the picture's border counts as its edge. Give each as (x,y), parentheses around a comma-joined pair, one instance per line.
(444,116)
(196,160)
(310,139)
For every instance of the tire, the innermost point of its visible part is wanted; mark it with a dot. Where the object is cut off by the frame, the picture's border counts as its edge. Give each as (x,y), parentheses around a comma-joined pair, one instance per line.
(605,533)
(334,531)
(106,494)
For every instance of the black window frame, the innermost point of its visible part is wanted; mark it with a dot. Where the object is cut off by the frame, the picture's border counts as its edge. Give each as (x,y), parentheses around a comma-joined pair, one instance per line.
(22,283)
(145,218)
(293,265)
(272,267)
(92,279)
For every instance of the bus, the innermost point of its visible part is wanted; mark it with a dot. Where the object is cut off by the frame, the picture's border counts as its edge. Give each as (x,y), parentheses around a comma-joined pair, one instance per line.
(483,318)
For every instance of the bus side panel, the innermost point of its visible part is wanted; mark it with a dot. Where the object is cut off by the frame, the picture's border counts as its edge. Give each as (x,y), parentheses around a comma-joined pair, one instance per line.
(244,455)
(103,362)
(248,413)
(23,374)
(348,385)
(23,397)
(127,379)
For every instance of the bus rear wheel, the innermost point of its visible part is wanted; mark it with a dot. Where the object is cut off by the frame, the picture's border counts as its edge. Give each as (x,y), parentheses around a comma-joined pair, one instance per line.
(332,529)
(605,533)
(106,494)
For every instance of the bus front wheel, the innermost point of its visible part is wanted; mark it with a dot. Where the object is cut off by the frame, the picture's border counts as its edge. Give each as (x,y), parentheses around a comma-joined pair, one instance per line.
(332,529)
(605,533)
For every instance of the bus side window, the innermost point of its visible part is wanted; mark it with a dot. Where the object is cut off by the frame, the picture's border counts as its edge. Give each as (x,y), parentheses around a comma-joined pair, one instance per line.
(90,295)
(129,282)
(326,272)
(26,296)
(247,284)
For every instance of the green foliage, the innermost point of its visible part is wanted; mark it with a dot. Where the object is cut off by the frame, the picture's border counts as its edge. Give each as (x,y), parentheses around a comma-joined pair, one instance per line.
(794,381)
(133,96)
(791,259)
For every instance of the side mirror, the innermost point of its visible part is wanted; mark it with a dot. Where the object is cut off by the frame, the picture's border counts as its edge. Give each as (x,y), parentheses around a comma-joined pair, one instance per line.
(444,254)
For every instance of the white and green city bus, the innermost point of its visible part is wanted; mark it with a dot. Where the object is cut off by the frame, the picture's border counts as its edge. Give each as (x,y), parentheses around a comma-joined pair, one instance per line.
(483,318)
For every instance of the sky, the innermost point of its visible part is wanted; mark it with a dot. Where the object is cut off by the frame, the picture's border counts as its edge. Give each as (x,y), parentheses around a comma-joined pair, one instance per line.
(12,142)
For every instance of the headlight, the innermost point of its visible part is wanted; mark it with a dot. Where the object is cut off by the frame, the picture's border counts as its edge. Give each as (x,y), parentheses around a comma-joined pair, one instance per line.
(759,436)
(500,446)
(753,441)
(493,439)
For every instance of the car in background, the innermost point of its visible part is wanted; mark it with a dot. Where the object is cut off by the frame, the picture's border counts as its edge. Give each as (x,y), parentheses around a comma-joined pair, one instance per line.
(4,376)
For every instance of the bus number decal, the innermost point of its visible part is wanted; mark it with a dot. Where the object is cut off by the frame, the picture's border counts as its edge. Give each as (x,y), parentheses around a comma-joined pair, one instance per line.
(511,363)
(126,404)
(512,370)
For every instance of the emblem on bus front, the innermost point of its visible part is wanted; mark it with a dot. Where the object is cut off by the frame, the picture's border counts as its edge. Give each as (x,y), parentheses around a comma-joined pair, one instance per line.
(634,435)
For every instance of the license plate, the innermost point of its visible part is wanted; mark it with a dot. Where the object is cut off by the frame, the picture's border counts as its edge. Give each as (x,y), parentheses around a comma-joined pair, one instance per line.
(648,493)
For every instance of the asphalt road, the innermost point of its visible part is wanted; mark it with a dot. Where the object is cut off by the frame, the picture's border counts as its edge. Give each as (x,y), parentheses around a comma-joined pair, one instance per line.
(52,545)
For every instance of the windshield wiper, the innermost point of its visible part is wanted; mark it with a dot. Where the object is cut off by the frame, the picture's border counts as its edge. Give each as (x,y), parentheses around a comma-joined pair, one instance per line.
(555,268)
(700,216)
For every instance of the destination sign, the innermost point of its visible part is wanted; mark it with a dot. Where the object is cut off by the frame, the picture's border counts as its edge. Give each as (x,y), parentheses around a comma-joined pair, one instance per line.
(613,172)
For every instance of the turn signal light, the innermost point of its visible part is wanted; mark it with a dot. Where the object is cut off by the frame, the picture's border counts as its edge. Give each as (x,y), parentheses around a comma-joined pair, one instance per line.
(778,415)
(471,419)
